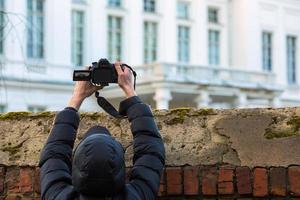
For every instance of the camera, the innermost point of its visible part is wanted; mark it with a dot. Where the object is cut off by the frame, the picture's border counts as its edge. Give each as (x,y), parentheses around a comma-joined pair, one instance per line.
(100,74)
(103,73)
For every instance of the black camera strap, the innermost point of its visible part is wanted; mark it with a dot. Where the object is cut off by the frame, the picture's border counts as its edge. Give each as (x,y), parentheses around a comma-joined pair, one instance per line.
(106,106)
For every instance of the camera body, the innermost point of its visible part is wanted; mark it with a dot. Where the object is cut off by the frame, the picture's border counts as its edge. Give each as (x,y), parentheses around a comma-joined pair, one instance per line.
(100,74)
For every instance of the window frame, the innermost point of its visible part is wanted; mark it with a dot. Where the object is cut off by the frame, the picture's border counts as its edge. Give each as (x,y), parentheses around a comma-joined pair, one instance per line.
(36,108)
(3,108)
(291,70)
(83,38)
(115,3)
(150,9)
(214,47)
(111,40)
(150,41)
(188,10)
(35,48)
(267,51)
(217,15)
(2,24)
(183,43)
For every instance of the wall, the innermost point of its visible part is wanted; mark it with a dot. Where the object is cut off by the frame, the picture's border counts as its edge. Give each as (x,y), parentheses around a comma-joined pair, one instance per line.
(241,24)
(210,153)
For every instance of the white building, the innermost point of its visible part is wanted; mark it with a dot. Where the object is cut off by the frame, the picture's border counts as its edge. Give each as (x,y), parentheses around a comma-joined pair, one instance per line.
(199,53)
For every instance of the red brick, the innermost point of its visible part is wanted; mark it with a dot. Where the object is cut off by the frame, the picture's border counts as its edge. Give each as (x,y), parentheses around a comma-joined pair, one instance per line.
(2,177)
(162,186)
(26,180)
(243,177)
(191,180)
(294,180)
(260,182)
(225,188)
(278,181)
(209,181)
(13,180)
(37,185)
(225,181)
(174,181)
(225,175)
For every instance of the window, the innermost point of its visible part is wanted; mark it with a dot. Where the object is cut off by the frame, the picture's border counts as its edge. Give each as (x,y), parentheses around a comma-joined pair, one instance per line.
(149,6)
(267,51)
(182,10)
(35,29)
(36,108)
(291,59)
(150,42)
(183,44)
(2,108)
(78,21)
(79,1)
(2,24)
(115,3)
(114,38)
(214,47)
(213,15)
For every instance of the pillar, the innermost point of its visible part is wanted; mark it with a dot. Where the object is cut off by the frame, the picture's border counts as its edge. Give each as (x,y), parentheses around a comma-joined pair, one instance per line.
(242,100)
(162,98)
(203,100)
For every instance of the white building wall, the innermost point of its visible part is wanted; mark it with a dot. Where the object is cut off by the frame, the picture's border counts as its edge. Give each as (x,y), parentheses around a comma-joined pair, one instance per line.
(241,25)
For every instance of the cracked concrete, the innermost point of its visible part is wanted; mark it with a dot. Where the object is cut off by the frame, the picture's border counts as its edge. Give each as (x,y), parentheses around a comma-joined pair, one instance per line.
(250,137)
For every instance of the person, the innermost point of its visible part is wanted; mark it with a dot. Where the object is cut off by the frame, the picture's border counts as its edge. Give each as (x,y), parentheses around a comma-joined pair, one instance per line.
(96,169)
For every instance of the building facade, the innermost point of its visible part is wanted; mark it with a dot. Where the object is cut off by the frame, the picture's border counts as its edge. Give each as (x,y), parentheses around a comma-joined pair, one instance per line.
(194,53)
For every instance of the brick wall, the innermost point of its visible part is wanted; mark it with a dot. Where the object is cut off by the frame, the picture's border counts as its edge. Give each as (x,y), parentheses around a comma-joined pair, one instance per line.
(211,154)
(189,182)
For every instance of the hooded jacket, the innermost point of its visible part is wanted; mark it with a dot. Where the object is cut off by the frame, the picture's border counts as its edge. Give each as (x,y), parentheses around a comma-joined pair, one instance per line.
(81,178)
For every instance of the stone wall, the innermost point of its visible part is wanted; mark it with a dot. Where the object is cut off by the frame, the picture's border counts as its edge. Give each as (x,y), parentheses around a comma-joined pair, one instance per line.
(212,154)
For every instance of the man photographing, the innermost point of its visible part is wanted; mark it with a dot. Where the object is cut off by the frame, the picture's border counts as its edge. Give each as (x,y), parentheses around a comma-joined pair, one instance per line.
(96,169)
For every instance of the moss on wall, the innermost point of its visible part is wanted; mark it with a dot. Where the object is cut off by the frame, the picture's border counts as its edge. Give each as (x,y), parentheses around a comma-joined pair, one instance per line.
(278,130)
(178,115)
(21,115)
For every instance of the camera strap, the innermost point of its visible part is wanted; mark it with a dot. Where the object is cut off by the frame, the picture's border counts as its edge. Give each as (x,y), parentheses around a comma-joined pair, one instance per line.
(106,106)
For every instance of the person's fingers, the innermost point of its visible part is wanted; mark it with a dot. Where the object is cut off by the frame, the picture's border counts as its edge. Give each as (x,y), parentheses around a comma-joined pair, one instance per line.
(118,68)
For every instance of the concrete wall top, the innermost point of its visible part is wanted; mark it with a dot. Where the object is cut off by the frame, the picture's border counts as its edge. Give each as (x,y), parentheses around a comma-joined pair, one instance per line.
(248,137)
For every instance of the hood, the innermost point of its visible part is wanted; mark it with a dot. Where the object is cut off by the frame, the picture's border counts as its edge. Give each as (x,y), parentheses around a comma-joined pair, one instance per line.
(98,164)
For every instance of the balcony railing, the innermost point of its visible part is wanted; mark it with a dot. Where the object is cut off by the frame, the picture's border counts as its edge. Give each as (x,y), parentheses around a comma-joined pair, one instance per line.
(205,75)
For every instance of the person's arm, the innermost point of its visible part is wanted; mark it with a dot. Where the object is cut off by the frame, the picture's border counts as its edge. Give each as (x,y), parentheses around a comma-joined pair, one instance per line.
(56,156)
(149,151)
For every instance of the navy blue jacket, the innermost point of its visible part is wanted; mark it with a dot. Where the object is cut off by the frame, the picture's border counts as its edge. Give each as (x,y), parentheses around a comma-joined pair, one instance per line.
(148,160)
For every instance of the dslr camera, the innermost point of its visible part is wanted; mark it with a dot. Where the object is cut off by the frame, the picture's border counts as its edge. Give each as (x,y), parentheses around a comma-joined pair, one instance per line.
(100,74)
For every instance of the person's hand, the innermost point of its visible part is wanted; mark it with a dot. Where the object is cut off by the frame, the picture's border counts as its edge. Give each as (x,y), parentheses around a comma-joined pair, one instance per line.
(82,90)
(125,80)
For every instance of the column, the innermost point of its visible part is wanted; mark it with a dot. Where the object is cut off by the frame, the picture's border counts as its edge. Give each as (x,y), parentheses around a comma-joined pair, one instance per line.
(162,98)
(275,102)
(15,36)
(241,101)
(133,51)
(97,34)
(198,40)
(57,32)
(245,35)
(168,32)
(203,100)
